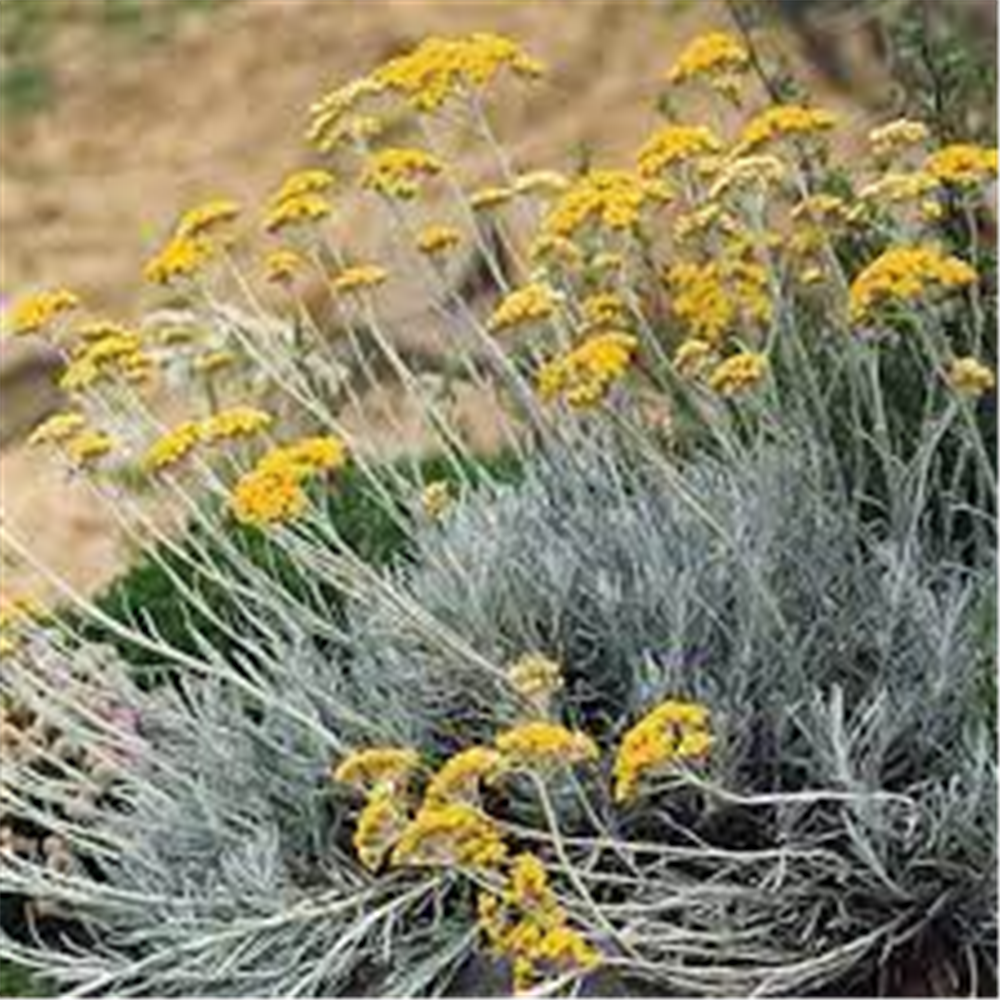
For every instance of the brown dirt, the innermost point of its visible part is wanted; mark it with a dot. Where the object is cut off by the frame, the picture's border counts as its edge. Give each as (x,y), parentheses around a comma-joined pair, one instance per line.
(90,187)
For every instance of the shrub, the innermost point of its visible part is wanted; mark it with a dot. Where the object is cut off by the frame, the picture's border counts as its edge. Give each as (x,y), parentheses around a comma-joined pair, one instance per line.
(695,704)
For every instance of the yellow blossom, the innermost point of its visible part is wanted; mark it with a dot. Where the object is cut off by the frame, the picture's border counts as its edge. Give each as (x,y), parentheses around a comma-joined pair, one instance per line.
(970,377)
(206,217)
(58,428)
(87,446)
(396,173)
(306,457)
(530,304)
(895,136)
(441,68)
(172,447)
(709,298)
(266,497)
(437,239)
(35,312)
(605,309)
(755,173)
(359,277)
(296,210)
(377,767)
(335,116)
(673,731)
(303,182)
(584,375)
(713,55)
(489,197)
(239,421)
(905,274)
(694,357)
(962,164)
(738,372)
(820,208)
(545,183)
(612,199)
(786,121)
(280,266)
(454,834)
(675,144)
(536,677)
(380,825)
(436,498)
(182,257)
(544,745)
(459,778)
(894,187)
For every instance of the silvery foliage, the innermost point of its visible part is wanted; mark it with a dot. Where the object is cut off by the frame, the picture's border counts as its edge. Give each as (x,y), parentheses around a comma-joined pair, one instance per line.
(848,805)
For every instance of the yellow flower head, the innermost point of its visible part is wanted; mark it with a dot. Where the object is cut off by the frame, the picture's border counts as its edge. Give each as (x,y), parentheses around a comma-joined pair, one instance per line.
(755,173)
(460,777)
(896,136)
(306,457)
(544,183)
(605,309)
(710,298)
(455,834)
(35,312)
(674,731)
(893,188)
(436,498)
(397,173)
(380,825)
(57,428)
(786,121)
(536,677)
(713,55)
(297,210)
(584,375)
(530,304)
(337,114)
(172,447)
(439,69)
(676,144)
(87,446)
(490,197)
(738,373)
(239,421)
(266,497)
(281,266)
(610,199)
(970,377)
(303,182)
(437,239)
(378,767)
(905,274)
(544,745)
(207,217)
(962,164)
(182,257)
(358,278)
(694,357)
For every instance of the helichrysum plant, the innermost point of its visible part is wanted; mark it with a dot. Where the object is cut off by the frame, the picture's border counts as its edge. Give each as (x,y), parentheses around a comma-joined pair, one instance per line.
(695,705)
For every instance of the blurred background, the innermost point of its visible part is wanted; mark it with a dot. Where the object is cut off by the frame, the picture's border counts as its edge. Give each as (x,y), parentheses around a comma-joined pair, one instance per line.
(117,114)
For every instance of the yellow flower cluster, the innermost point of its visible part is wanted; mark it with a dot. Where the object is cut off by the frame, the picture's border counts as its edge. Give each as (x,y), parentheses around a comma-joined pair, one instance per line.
(81,444)
(87,446)
(368,770)
(694,357)
(526,925)
(205,218)
(437,239)
(543,746)
(711,298)
(584,375)
(34,313)
(397,172)
(460,777)
(177,443)
(490,197)
(453,834)
(962,164)
(970,377)
(536,678)
(611,199)
(182,257)
(545,183)
(436,498)
(896,136)
(301,199)
(381,823)
(739,372)
(273,491)
(281,266)
(116,352)
(675,144)
(743,173)
(905,274)
(605,309)
(338,114)
(673,731)
(530,304)
(57,428)
(715,56)
(441,68)
(785,121)
(358,278)
(895,187)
